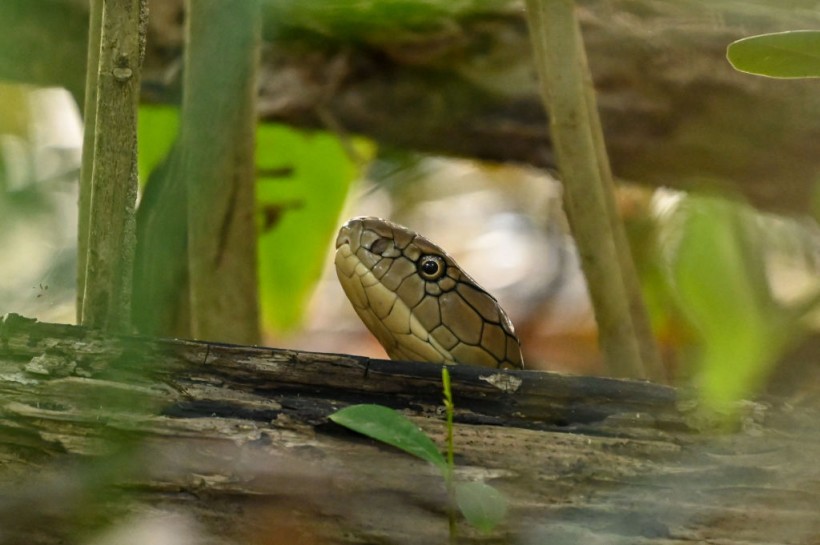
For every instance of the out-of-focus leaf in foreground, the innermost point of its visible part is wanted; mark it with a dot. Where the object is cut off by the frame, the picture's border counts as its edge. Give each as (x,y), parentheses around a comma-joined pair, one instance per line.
(720,278)
(482,505)
(157,129)
(793,54)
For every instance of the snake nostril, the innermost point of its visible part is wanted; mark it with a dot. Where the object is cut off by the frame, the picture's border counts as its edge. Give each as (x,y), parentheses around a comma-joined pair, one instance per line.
(379,246)
(343,237)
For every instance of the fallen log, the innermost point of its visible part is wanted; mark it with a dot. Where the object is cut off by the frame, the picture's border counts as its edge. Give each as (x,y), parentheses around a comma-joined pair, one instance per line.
(102,435)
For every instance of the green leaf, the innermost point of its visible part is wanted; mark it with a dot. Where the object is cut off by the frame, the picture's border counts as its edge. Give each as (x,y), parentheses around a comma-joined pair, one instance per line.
(388,426)
(794,54)
(722,289)
(157,128)
(304,180)
(482,505)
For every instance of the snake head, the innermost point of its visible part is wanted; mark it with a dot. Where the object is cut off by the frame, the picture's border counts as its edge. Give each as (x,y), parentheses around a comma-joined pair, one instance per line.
(417,301)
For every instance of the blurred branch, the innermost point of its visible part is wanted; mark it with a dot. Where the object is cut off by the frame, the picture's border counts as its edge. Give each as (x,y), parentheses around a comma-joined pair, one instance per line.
(89,136)
(111,224)
(217,139)
(630,350)
(638,313)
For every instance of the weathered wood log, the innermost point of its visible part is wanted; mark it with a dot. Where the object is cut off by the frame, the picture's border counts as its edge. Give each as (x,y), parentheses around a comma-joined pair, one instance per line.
(231,444)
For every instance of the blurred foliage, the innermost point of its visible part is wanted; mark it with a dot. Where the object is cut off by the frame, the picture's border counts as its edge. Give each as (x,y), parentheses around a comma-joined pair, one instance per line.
(303,179)
(481,504)
(37,202)
(793,54)
(157,129)
(672,331)
(29,51)
(718,275)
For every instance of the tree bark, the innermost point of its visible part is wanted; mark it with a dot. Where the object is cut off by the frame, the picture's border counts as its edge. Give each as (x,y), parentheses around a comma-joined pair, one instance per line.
(107,432)
(110,226)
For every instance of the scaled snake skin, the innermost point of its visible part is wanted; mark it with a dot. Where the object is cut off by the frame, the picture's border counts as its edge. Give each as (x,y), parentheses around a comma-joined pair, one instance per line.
(417,301)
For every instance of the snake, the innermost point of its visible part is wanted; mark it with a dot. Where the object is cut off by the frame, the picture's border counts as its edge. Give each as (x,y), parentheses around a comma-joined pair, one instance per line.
(416,300)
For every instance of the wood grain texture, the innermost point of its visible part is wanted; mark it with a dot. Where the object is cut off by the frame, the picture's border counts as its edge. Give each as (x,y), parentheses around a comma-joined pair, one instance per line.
(235,440)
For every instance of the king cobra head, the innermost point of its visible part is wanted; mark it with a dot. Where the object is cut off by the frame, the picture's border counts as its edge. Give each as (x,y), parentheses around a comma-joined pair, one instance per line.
(417,301)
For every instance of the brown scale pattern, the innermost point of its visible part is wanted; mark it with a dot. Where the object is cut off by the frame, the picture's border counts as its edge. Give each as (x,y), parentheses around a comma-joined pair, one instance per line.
(379,266)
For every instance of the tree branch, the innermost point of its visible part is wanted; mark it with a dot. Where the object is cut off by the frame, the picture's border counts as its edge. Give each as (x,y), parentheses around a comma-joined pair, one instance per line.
(111,205)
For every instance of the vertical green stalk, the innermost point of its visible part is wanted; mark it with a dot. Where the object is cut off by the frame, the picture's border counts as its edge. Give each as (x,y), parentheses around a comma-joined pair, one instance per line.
(589,201)
(89,130)
(449,475)
(648,347)
(217,141)
(110,241)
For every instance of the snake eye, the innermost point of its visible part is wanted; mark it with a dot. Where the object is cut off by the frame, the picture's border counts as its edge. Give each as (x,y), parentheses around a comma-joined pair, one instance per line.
(431,267)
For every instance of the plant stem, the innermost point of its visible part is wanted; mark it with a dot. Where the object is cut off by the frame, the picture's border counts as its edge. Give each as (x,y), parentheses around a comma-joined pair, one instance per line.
(588,191)
(110,206)
(449,477)
(217,138)
(89,128)
(648,347)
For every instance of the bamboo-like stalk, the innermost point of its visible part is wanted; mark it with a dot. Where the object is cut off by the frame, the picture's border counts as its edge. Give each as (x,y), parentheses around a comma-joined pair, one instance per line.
(89,130)
(217,138)
(109,250)
(648,346)
(566,91)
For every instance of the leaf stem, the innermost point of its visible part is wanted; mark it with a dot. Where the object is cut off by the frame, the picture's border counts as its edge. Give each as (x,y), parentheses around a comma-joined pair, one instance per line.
(449,473)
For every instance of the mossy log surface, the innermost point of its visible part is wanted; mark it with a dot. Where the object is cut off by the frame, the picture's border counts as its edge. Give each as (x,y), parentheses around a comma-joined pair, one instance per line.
(236,441)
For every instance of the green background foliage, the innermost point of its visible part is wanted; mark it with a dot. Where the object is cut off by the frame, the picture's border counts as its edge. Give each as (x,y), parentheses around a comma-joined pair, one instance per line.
(719,277)
(300,212)
(302,184)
